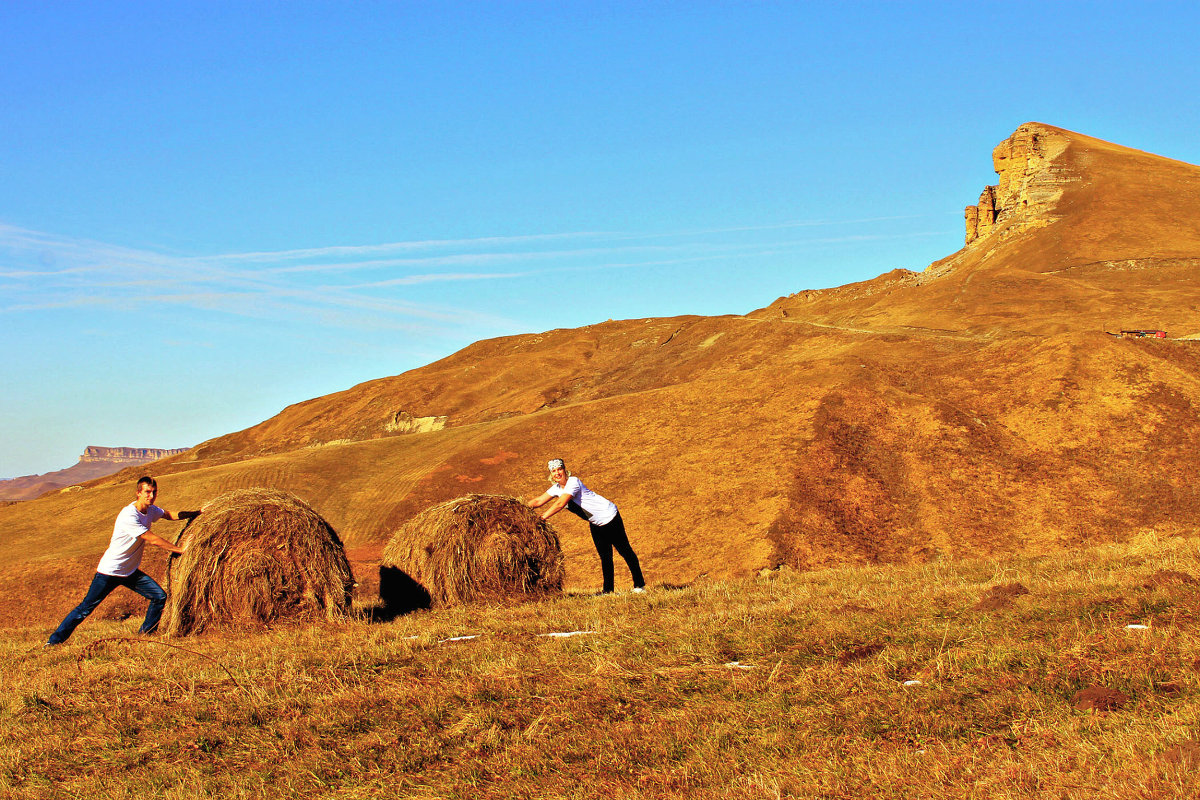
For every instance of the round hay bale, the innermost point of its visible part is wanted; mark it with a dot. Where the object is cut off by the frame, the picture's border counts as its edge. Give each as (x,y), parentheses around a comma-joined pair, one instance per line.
(256,557)
(479,547)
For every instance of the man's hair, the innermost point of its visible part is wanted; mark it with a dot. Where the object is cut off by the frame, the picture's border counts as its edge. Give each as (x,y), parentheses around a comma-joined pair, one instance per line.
(146,479)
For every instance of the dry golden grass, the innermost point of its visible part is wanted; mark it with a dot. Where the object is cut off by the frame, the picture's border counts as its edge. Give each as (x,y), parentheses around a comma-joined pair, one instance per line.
(796,685)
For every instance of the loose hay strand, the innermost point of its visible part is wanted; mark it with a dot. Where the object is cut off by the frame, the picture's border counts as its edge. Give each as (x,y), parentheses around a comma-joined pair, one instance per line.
(87,651)
(255,557)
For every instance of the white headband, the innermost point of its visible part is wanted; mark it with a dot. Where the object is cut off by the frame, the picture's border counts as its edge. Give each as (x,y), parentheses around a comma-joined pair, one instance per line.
(555,463)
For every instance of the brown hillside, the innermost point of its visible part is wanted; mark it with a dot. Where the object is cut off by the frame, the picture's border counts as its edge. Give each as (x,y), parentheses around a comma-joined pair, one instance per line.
(976,407)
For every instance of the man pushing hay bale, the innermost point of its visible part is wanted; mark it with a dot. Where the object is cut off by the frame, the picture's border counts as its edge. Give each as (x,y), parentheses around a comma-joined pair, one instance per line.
(478,547)
(257,557)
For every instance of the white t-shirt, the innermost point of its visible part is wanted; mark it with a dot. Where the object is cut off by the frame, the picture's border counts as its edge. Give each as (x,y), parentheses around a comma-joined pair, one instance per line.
(124,553)
(596,509)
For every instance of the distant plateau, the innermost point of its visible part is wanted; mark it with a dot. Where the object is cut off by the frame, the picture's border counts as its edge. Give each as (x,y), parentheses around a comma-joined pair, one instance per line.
(96,462)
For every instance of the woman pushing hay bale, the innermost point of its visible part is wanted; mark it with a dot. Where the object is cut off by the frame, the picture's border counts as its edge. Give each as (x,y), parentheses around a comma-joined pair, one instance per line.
(478,547)
(256,557)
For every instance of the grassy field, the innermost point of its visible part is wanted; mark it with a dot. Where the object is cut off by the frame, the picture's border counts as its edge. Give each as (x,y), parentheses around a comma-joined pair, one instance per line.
(889,682)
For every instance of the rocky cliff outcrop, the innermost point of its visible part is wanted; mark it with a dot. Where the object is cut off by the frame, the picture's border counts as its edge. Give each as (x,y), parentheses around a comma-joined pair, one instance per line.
(1029,187)
(125,454)
(96,462)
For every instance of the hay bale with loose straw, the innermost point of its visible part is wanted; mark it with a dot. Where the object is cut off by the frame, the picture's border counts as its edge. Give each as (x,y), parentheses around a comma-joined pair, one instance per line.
(475,548)
(257,557)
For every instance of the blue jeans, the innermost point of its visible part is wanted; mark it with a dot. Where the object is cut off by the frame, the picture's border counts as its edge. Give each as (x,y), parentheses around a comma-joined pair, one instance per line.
(102,586)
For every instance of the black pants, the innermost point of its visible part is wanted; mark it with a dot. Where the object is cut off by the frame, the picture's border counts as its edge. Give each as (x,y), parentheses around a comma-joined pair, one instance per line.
(609,536)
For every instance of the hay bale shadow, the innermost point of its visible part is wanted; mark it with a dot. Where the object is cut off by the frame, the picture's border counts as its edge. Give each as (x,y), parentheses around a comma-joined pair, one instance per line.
(399,594)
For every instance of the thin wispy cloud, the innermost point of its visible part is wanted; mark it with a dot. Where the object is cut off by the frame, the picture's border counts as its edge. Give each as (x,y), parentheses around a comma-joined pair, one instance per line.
(352,251)
(358,251)
(442,277)
(365,286)
(463,259)
(794,224)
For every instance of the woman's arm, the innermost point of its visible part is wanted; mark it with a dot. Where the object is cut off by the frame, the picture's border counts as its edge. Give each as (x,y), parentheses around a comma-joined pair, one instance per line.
(541,501)
(558,505)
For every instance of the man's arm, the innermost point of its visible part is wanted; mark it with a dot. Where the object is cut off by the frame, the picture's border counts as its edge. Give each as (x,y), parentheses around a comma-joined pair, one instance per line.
(181,515)
(153,538)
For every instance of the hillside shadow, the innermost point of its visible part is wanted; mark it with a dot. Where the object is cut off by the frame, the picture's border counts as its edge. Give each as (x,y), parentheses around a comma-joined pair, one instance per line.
(399,594)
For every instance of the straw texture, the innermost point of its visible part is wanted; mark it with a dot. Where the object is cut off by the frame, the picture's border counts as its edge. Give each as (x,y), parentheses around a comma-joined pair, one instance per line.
(256,557)
(476,548)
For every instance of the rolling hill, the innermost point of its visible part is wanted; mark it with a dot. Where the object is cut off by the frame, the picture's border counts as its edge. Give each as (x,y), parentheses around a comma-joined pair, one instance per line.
(978,407)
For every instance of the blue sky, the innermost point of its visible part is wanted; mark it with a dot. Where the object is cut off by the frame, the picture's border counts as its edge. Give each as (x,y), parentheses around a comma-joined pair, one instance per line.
(211,210)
